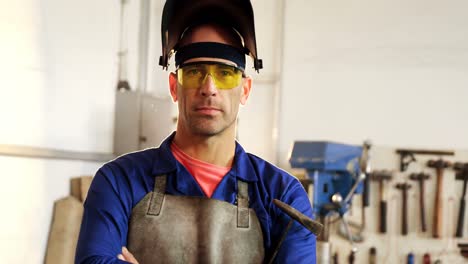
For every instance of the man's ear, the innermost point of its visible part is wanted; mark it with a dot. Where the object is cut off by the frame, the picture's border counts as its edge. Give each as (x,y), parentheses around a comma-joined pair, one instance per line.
(246,87)
(173,86)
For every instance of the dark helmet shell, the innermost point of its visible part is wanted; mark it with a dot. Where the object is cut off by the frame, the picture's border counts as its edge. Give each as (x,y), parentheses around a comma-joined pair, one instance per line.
(178,15)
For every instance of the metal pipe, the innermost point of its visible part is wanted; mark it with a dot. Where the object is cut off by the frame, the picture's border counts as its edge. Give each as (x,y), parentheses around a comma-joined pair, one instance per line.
(48,153)
(143,43)
(122,83)
(142,82)
(277,88)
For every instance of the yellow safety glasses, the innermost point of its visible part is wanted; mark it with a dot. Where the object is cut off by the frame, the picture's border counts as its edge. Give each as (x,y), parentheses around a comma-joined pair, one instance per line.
(193,75)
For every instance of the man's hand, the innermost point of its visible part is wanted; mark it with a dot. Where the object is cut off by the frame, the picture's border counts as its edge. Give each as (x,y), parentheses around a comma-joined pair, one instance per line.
(127,256)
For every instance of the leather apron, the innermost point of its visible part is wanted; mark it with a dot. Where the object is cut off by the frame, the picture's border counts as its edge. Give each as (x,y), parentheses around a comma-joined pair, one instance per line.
(184,229)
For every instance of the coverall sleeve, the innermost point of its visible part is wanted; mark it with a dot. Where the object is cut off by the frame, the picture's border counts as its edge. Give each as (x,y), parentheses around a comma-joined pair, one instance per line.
(299,244)
(104,225)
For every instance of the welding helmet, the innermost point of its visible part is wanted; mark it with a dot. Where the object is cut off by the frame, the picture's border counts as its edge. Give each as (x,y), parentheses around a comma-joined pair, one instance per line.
(179,15)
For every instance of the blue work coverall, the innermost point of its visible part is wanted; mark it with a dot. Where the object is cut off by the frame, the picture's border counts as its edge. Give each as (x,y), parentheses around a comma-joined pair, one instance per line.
(120,184)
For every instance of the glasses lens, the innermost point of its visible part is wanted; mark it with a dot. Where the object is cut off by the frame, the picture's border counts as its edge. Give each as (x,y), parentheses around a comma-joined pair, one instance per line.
(194,75)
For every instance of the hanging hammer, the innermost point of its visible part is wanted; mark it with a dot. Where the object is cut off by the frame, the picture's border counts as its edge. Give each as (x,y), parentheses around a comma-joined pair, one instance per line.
(404,216)
(426,258)
(421,177)
(462,174)
(439,165)
(381,176)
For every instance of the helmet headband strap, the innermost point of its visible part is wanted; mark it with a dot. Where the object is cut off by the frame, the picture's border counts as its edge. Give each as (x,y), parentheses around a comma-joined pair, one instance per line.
(210,50)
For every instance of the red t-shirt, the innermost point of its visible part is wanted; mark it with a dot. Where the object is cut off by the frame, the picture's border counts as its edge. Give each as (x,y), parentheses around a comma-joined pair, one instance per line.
(207,175)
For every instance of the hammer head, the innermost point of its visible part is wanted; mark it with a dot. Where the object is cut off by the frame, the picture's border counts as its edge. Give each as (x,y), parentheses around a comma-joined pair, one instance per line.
(461,176)
(312,225)
(403,186)
(459,166)
(419,176)
(381,175)
(438,164)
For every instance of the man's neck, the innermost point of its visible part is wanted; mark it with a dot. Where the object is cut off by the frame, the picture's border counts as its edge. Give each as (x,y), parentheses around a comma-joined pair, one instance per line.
(218,150)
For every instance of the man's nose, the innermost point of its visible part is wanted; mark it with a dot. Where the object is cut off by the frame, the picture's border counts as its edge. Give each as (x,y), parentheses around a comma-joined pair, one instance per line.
(208,87)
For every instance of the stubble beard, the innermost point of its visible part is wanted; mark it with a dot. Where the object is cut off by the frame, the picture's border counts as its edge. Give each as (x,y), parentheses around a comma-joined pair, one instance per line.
(207,126)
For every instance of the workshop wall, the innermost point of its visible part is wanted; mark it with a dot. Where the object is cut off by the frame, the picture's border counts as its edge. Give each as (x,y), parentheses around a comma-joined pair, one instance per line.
(58,70)
(27,194)
(393,72)
(390,71)
(392,246)
(258,118)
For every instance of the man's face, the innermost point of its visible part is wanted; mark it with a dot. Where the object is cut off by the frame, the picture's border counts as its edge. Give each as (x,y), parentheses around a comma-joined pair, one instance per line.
(208,110)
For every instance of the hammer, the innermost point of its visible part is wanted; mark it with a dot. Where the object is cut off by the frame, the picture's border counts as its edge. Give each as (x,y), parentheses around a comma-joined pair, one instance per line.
(439,165)
(404,217)
(462,174)
(463,249)
(381,176)
(313,226)
(426,258)
(373,255)
(421,177)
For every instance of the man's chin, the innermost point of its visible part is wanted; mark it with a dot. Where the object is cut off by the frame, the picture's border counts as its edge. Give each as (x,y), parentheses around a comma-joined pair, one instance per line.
(209,128)
(206,129)
(207,132)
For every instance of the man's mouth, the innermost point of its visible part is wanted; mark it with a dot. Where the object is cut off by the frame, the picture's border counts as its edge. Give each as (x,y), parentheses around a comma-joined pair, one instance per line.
(207,110)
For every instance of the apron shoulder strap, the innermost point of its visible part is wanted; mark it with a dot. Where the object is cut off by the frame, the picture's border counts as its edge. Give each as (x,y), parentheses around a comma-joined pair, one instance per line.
(157,197)
(242,204)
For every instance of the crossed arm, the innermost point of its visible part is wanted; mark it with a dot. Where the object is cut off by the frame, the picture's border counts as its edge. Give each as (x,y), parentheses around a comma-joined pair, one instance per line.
(127,256)
(109,205)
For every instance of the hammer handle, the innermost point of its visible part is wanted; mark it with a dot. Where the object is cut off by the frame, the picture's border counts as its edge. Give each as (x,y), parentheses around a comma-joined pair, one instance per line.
(437,225)
(365,193)
(404,216)
(383,216)
(351,257)
(421,205)
(461,214)
(426,259)
(382,209)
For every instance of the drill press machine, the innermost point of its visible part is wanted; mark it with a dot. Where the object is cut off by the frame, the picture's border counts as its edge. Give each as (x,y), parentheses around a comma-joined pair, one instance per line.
(338,171)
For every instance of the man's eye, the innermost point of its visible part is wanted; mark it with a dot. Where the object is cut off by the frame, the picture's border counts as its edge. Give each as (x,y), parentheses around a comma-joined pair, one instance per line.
(226,73)
(193,71)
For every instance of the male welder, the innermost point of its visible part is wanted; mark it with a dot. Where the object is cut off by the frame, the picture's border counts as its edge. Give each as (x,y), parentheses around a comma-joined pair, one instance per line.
(199,197)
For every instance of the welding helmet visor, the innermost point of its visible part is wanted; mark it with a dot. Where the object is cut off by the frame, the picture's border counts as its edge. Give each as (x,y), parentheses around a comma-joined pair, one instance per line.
(178,15)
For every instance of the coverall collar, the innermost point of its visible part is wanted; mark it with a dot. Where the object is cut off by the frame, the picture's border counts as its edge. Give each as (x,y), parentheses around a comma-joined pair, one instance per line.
(165,162)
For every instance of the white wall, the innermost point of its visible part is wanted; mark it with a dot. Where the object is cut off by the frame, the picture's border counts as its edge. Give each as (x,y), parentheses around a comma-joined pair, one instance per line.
(58,70)
(29,188)
(391,71)
(257,119)
(394,72)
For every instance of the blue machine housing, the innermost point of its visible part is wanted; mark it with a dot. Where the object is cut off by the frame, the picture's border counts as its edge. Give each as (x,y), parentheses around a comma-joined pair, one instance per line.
(332,167)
